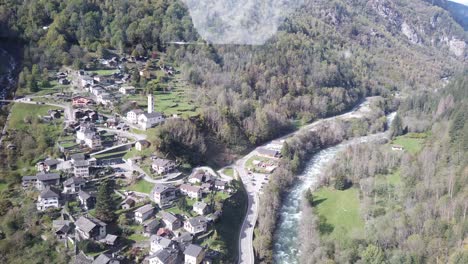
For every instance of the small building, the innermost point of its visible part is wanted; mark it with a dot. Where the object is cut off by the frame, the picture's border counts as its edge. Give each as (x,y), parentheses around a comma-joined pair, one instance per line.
(158,243)
(55,114)
(199,176)
(150,226)
(149,120)
(196,225)
(90,228)
(163,194)
(201,208)
(163,166)
(87,200)
(193,254)
(47,179)
(191,191)
(171,221)
(132,115)
(106,258)
(142,144)
(110,239)
(76,157)
(127,90)
(81,168)
(47,165)
(81,101)
(143,213)
(220,185)
(73,185)
(269,153)
(61,228)
(128,203)
(397,147)
(164,256)
(28,181)
(63,81)
(48,198)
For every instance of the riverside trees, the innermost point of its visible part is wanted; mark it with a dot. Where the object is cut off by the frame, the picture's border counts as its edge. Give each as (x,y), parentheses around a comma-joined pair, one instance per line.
(418,218)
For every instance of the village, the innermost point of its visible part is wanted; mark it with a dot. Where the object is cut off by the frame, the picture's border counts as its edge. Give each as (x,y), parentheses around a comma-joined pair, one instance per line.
(165,213)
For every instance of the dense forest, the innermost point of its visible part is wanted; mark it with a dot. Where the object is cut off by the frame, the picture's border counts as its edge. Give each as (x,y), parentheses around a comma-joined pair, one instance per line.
(422,219)
(327,55)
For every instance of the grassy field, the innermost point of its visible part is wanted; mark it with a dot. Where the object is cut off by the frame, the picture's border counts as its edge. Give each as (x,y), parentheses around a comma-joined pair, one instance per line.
(3,186)
(412,143)
(228,228)
(249,163)
(229,172)
(133,152)
(174,102)
(141,186)
(19,111)
(111,154)
(105,72)
(338,212)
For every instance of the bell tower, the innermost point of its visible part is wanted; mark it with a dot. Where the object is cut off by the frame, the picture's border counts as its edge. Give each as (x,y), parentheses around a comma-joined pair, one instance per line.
(150,103)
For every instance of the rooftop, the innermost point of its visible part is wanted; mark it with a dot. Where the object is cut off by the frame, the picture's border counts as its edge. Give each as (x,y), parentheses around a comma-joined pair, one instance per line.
(193,250)
(144,209)
(161,188)
(87,224)
(169,217)
(47,176)
(198,220)
(49,193)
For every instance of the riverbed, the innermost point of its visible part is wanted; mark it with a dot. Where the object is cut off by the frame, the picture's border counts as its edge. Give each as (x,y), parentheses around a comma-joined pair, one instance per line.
(286,248)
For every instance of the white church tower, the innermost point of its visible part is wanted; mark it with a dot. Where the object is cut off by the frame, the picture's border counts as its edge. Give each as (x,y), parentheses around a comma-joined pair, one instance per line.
(150,103)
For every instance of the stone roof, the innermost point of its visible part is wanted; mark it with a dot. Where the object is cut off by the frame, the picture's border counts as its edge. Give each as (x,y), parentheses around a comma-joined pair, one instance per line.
(81,163)
(161,241)
(84,195)
(190,188)
(49,193)
(268,152)
(169,217)
(29,178)
(78,156)
(110,238)
(88,224)
(200,205)
(51,162)
(161,188)
(74,180)
(193,250)
(164,255)
(220,183)
(198,220)
(61,226)
(47,176)
(162,162)
(81,258)
(144,209)
(105,259)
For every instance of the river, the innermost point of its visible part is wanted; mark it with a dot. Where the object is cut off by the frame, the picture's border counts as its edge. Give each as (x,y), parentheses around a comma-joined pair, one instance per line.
(286,248)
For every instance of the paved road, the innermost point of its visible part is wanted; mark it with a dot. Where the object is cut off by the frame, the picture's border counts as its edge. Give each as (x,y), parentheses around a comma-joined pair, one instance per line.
(254,183)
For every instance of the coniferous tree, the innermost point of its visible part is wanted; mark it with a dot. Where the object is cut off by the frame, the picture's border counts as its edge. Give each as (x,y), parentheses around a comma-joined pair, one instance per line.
(104,204)
(397,126)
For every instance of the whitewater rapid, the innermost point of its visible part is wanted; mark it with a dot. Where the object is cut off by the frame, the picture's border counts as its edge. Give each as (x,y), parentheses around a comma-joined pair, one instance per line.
(286,248)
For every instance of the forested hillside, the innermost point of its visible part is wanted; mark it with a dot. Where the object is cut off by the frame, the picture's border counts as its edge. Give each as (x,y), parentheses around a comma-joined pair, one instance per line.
(325,56)
(413,203)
